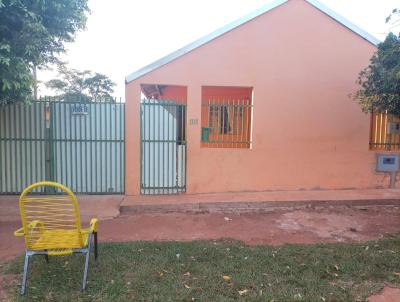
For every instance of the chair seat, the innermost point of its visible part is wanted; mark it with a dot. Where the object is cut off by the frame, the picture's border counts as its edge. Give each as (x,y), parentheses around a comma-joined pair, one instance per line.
(59,242)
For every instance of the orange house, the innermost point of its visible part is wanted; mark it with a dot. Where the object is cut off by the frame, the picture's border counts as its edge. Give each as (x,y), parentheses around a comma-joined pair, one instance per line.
(260,104)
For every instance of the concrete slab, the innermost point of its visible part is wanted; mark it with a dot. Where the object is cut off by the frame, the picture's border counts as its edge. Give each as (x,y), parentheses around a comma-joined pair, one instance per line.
(257,201)
(100,206)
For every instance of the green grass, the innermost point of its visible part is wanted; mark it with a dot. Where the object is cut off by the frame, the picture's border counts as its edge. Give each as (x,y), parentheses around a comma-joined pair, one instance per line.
(152,271)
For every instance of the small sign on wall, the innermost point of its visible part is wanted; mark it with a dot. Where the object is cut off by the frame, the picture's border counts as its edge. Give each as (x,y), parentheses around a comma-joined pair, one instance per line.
(193,121)
(79,109)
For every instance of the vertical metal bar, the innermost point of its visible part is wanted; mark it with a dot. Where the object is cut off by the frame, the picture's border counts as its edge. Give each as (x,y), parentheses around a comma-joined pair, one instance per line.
(15,134)
(211,123)
(154,144)
(243,134)
(175,131)
(168,145)
(68,144)
(173,143)
(141,145)
(92,155)
(234,117)
(223,132)
(159,145)
(376,128)
(81,150)
(20,147)
(164,110)
(105,146)
(148,144)
(53,143)
(76,178)
(82,143)
(100,135)
(35,132)
(181,145)
(185,146)
(380,129)
(109,165)
(116,106)
(61,142)
(123,147)
(104,139)
(238,122)
(221,123)
(87,143)
(389,120)
(1,149)
(7,144)
(231,114)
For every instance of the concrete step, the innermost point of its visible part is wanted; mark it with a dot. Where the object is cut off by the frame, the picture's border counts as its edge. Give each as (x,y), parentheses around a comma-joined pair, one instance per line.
(258,201)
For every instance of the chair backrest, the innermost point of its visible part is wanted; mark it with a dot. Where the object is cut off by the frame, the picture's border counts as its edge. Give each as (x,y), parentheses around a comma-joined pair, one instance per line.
(55,216)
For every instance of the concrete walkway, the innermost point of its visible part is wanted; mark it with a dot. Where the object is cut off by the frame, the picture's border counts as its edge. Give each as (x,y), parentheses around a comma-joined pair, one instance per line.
(257,201)
(110,206)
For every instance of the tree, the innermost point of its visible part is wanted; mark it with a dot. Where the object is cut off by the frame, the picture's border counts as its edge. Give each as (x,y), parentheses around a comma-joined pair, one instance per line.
(99,86)
(32,35)
(72,84)
(395,14)
(380,81)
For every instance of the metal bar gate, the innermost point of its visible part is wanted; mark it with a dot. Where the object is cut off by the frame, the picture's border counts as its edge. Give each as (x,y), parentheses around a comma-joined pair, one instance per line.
(79,144)
(163,147)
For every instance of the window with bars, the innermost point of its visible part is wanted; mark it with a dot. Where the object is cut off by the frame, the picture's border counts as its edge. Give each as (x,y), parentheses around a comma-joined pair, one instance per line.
(226,117)
(385,132)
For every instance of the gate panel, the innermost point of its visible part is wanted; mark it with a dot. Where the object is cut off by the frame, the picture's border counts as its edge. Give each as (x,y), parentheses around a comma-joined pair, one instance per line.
(88,146)
(163,147)
(79,144)
(22,146)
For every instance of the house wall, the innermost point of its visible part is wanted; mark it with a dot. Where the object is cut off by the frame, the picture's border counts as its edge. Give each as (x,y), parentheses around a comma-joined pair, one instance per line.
(307,132)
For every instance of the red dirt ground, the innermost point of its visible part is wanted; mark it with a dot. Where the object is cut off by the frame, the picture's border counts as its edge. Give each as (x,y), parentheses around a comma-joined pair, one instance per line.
(333,224)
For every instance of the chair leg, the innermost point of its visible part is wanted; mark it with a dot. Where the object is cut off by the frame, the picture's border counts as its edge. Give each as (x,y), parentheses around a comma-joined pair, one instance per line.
(86,271)
(25,276)
(46,257)
(95,246)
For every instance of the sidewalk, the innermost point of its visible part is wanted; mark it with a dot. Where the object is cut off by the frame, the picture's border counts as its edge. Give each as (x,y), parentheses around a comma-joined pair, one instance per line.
(257,201)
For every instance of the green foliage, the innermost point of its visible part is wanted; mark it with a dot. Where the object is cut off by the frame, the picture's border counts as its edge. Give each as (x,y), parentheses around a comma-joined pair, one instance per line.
(380,81)
(395,13)
(33,33)
(84,85)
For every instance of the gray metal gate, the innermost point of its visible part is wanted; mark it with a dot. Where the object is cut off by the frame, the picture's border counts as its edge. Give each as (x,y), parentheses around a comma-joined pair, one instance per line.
(79,144)
(163,147)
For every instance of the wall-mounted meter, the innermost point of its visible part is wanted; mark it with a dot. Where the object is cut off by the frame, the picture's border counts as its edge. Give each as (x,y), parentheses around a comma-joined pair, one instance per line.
(387,162)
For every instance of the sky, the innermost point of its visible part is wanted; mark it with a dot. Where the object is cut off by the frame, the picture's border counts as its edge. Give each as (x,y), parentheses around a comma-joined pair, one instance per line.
(122,36)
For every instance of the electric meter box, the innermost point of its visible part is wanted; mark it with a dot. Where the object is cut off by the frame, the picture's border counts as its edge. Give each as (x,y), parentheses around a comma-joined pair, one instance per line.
(387,162)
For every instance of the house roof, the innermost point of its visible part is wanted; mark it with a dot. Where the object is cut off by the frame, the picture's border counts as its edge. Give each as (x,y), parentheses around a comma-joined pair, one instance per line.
(219,32)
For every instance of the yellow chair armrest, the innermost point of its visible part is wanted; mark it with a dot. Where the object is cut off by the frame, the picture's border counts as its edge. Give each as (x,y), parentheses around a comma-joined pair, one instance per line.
(19,232)
(94,225)
(35,224)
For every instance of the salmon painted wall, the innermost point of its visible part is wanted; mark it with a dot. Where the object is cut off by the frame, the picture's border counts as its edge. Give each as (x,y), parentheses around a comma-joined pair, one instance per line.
(307,133)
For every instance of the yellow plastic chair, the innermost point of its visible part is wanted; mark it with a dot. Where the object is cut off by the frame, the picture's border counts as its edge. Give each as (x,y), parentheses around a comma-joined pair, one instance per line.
(51,226)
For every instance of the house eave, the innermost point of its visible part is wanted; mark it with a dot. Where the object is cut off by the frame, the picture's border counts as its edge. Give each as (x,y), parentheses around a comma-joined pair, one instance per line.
(223,30)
